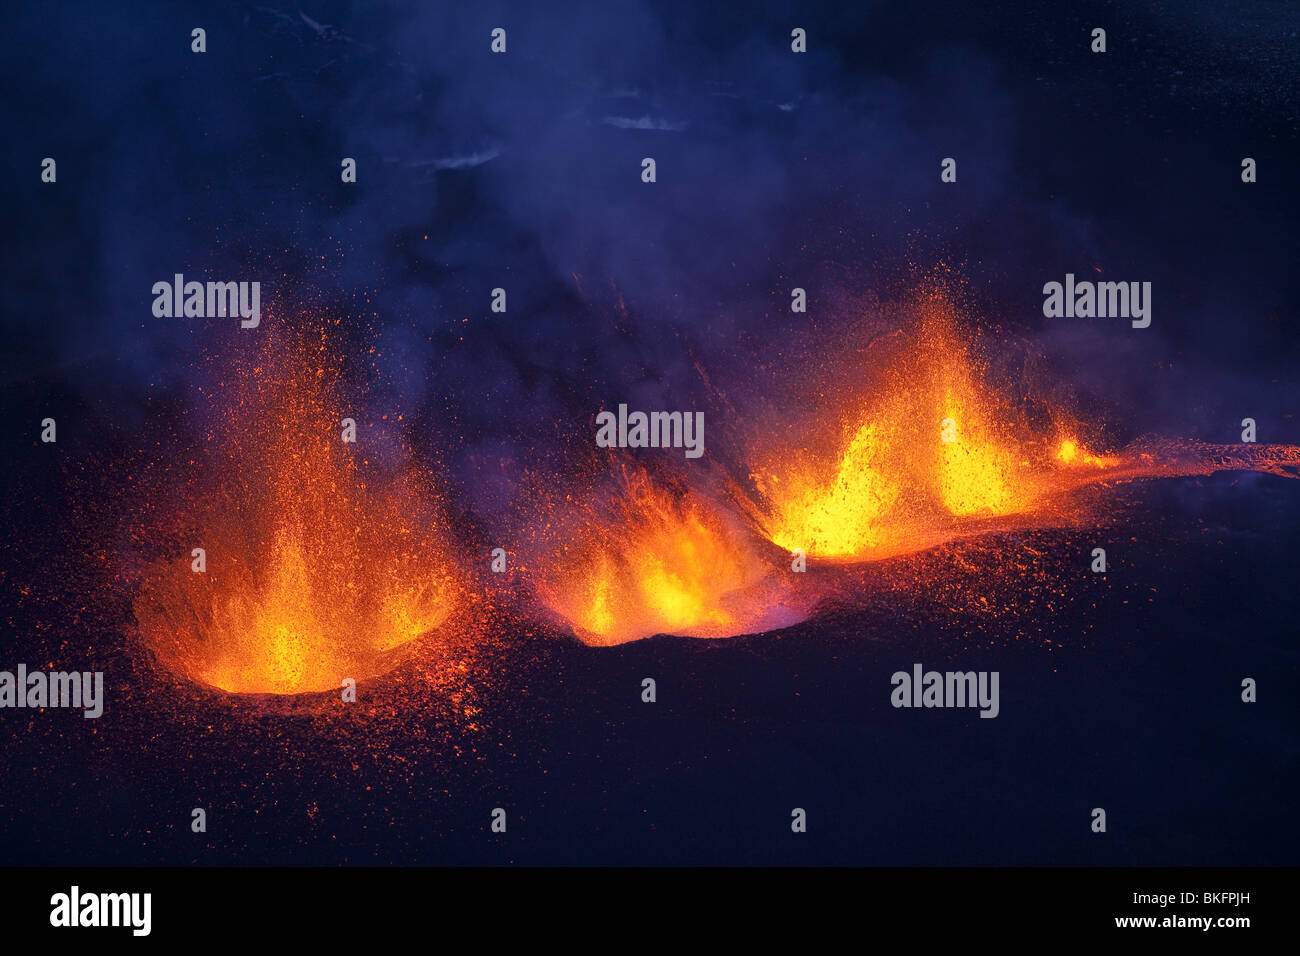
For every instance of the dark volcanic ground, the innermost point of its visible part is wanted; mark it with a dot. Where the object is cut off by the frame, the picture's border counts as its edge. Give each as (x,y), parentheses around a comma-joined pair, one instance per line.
(1125,694)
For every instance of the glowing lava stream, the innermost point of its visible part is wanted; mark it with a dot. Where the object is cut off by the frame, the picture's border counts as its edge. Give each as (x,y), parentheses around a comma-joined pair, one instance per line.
(315,571)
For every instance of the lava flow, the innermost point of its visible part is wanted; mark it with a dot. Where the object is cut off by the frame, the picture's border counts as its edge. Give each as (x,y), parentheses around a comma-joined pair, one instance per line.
(317,566)
(655,558)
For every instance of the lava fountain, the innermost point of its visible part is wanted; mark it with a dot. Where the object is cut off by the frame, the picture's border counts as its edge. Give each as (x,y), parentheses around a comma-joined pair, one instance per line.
(928,450)
(930,453)
(655,557)
(315,565)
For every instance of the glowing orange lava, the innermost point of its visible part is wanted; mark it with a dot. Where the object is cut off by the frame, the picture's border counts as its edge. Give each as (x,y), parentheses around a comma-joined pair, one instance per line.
(317,569)
(930,446)
(658,561)
(1069,453)
(933,453)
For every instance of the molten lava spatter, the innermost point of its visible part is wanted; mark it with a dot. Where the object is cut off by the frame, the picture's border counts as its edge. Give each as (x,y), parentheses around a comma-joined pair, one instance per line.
(316,567)
(928,447)
(1069,453)
(654,560)
(934,453)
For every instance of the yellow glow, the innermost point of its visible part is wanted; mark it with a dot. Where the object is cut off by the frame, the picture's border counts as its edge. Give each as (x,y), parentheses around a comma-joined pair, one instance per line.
(974,474)
(842,519)
(1071,454)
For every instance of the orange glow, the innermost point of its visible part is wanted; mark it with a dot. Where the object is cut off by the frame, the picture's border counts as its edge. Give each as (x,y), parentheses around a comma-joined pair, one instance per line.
(661,562)
(316,570)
